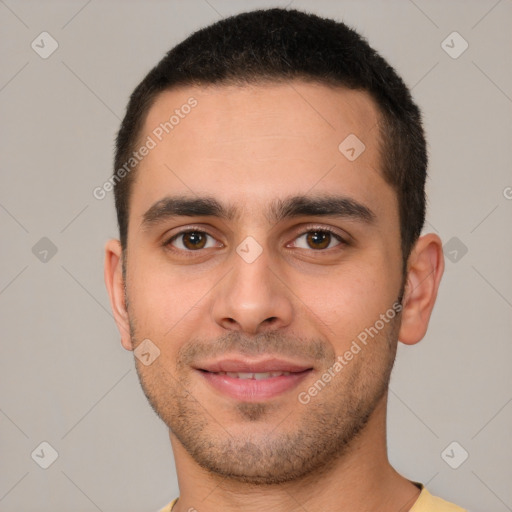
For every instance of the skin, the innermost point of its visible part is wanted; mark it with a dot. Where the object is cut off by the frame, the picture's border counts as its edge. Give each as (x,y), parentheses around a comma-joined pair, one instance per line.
(247,147)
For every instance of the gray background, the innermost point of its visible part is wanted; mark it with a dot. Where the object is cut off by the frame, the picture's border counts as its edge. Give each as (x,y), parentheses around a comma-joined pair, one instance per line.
(66,380)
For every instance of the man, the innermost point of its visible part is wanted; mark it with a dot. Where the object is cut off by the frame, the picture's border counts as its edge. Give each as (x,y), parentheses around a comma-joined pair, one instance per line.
(269,181)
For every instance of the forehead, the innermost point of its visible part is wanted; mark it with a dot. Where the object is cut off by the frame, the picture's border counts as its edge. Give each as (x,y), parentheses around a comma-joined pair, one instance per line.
(247,143)
(272,109)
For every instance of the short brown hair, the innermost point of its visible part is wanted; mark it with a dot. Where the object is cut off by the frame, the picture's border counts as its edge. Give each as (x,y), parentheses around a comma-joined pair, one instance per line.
(279,45)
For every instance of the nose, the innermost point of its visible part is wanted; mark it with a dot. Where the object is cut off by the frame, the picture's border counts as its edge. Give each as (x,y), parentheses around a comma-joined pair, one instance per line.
(253,298)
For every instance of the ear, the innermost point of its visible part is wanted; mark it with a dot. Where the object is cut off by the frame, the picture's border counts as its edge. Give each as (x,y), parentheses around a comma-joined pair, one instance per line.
(115,286)
(425,269)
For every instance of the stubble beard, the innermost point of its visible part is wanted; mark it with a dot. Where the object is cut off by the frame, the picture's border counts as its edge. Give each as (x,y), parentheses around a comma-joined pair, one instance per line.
(277,444)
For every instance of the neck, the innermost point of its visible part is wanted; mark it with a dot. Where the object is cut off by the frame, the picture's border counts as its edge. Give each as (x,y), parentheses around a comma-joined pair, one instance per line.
(361,479)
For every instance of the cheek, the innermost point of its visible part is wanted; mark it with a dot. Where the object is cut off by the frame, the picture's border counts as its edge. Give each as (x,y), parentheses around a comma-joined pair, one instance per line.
(163,301)
(344,303)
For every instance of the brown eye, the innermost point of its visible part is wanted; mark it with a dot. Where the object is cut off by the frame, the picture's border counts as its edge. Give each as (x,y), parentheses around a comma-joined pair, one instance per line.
(192,240)
(318,239)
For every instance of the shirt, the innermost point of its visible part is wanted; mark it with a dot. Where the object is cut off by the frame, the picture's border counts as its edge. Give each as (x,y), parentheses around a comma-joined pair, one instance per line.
(426,502)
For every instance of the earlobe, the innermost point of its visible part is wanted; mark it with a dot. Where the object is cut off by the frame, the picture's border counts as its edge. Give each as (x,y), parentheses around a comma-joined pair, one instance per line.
(425,269)
(114,282)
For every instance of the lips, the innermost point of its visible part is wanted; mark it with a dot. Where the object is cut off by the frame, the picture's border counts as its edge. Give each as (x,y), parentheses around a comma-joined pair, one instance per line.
(253,380)
(254,366)
(255,375)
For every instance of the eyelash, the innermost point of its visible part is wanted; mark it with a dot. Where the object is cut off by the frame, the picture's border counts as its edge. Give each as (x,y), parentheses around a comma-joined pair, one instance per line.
(310,229)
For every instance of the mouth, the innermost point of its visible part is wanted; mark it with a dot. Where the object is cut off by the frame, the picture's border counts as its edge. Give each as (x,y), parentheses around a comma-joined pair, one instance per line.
(253,381)
(255,376)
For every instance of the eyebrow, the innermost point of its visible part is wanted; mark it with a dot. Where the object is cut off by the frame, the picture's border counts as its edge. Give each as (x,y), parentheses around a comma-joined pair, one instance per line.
(281,209)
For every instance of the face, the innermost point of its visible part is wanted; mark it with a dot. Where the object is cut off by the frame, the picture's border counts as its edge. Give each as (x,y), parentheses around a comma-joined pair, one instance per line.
(259,257)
